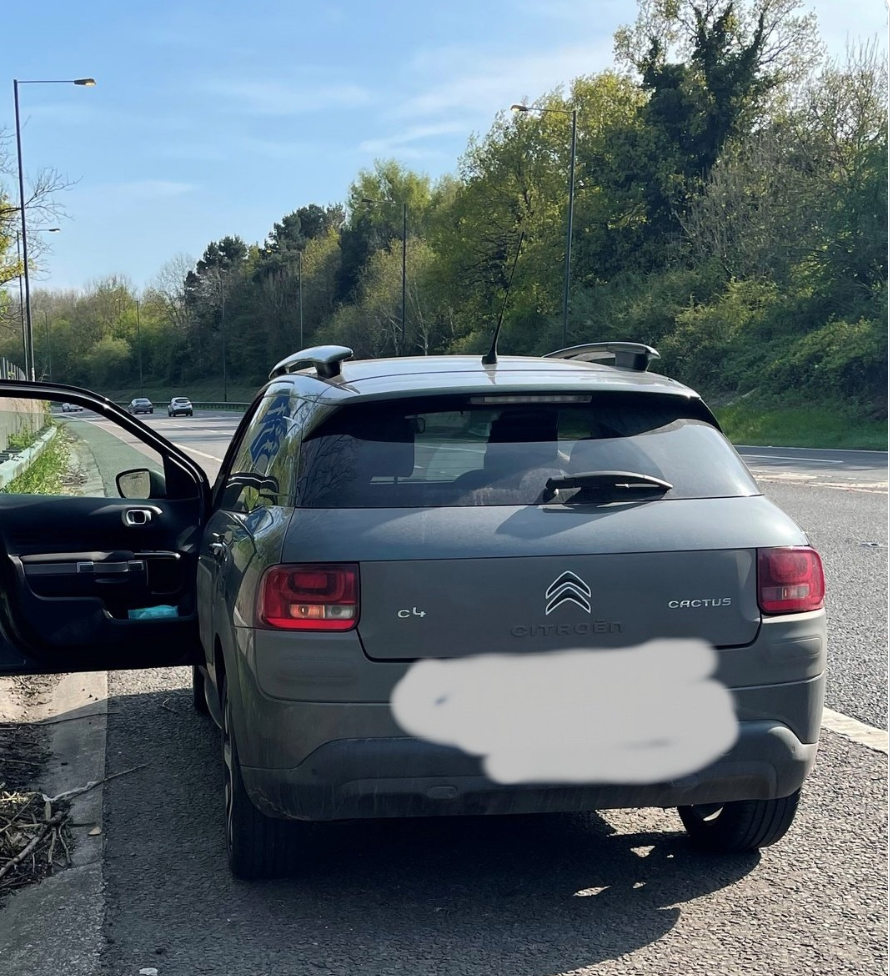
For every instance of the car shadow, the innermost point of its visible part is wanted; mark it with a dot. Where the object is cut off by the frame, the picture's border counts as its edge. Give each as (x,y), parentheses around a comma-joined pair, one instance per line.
(530,894)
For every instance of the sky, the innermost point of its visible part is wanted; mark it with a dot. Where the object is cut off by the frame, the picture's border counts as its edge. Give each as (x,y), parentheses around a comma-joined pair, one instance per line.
(215,118)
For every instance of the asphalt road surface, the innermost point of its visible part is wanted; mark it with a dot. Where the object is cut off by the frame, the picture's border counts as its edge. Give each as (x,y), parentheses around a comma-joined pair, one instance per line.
(614,893)
(864,469)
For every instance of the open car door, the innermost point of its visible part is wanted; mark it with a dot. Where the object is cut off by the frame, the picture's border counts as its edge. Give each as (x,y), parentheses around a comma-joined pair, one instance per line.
(100,527)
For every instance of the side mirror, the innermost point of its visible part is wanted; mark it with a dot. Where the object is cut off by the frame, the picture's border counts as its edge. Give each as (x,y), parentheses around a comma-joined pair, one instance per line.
(141,483)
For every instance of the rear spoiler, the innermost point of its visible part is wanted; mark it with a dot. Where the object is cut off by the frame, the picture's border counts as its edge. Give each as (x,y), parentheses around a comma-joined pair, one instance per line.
(627,355)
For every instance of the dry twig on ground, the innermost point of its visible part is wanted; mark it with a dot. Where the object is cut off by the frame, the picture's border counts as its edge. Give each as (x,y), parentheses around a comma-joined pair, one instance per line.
(32,826)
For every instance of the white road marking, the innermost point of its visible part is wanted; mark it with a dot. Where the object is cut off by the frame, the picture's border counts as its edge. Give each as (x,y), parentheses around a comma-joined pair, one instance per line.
(855,731)
(110,427)
(193,450)
(832,450)
(783,457)
(810,480)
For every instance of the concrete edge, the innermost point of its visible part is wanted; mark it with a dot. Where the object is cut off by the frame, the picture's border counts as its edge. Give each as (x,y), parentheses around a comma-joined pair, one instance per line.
(10,470)
(60,921)
(78,755)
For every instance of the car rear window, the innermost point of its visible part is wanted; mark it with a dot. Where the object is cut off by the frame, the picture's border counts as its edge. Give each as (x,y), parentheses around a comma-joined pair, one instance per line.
(467,452)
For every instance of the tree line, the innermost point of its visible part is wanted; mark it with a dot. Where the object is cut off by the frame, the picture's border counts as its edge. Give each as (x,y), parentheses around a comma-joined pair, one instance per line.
(730,209)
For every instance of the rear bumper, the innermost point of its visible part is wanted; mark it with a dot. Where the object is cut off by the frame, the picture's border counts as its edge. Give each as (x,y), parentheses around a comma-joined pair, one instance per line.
(318,740)
(404,777)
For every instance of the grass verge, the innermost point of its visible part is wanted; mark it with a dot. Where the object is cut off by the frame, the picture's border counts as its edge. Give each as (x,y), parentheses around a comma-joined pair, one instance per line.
(47,474)
(816,427)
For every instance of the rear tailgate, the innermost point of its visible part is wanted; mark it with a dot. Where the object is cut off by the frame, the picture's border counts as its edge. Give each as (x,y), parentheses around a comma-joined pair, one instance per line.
(484,578)
(445,608)
(445,503)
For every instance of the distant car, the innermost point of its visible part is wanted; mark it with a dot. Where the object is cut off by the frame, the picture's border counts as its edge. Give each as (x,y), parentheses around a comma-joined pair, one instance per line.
(141,405)
(179,405)
(71,408)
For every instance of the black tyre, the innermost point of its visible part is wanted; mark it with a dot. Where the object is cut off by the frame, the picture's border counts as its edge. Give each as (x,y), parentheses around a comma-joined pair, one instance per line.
(746,825)
(199,697)
(257,846)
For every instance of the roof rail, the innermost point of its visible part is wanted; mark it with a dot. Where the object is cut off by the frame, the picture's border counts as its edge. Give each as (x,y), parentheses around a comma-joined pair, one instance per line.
(628,355)
(325,359)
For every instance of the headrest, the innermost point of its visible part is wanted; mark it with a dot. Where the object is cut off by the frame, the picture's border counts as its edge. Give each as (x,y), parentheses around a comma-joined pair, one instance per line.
(524,426)
(537,429)
(389,450)
(613,453)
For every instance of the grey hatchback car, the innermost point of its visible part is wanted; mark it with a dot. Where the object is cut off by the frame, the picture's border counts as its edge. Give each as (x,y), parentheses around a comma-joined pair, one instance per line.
(451,586)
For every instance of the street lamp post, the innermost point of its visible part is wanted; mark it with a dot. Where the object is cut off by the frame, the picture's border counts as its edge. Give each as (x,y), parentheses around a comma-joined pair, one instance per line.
(300,259)
(18,259)
(573,113)
(49,346)
(139,345)
(404,269)
(377,203)
(86,82)
(222,297)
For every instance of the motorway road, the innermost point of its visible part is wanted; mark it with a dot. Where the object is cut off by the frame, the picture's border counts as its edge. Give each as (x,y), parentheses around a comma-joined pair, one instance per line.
(617,893)
(859,469)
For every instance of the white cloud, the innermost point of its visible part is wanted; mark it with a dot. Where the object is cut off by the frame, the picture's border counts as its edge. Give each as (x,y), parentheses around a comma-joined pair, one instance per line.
(272,149)
(204,152)
(853,20)
(279,98)
(586,12)
(149,189)
(73,112)
(416,133)
(502,81)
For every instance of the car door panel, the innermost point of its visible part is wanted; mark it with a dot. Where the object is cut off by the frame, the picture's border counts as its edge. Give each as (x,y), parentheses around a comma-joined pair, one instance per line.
(87,583)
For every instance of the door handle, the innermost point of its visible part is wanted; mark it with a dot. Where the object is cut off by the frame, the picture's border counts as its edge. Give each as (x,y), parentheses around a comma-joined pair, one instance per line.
(111,569)
(138,516)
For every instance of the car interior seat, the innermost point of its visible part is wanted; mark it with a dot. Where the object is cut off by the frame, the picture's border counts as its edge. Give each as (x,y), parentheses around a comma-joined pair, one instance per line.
(519,441)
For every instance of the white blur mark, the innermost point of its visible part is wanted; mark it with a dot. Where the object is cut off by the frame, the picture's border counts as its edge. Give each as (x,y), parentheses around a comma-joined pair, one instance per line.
(637,715)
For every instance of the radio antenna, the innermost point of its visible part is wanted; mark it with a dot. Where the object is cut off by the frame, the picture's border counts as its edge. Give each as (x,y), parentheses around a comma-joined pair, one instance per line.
(491,357)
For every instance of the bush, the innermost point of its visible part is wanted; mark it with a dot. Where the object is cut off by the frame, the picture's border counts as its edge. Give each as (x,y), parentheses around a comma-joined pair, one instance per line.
(702,348)
(841,360)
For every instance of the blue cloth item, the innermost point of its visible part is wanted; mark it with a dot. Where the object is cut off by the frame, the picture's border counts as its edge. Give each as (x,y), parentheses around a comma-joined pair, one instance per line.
(146,613)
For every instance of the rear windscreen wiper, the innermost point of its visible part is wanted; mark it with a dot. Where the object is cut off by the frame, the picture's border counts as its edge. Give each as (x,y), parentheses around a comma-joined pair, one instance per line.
(605,481)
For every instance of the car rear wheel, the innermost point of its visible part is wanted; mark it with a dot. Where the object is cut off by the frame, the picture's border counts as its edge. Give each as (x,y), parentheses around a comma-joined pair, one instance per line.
(746,825)
(257,846)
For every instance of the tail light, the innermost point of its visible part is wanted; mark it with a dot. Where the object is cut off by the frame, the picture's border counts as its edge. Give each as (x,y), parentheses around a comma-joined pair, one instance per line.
(789,580)
(309,596)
